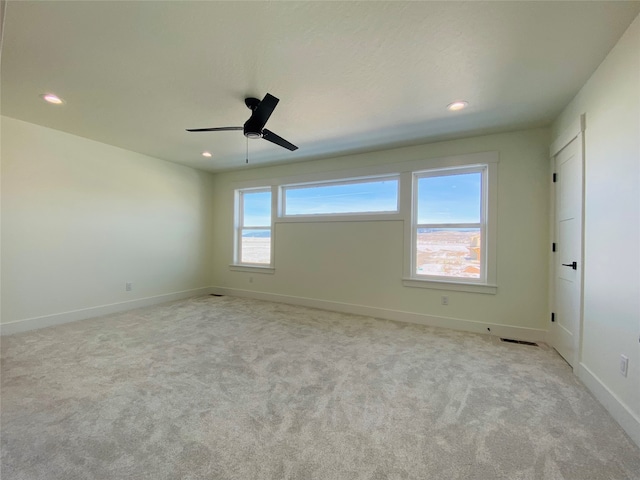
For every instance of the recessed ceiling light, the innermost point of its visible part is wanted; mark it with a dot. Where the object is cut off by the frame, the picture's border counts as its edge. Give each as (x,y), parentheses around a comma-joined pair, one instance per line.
(52,98)
(206,154)
(459,105)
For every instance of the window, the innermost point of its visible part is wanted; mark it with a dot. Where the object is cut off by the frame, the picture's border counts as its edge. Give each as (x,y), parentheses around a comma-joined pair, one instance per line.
(344,197)
(449,233)
(447,208)
(253,227)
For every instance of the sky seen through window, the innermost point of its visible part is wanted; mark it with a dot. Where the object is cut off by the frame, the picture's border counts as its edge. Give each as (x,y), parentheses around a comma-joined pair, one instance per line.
(441,200)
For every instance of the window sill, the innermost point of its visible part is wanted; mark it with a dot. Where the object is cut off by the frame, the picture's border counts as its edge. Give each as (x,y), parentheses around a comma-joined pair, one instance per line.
(453,286)
(252,269)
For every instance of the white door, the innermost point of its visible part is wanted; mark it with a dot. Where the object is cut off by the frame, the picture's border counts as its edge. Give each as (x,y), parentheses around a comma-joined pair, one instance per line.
(565,327)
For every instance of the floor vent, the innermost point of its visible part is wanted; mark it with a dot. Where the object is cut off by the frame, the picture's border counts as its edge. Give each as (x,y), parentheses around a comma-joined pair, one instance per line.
(216,295)
(522,342)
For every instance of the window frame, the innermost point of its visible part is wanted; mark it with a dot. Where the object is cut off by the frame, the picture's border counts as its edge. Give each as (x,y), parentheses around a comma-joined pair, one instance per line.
(239,227)
(349,216)
(481,225)
(488,214)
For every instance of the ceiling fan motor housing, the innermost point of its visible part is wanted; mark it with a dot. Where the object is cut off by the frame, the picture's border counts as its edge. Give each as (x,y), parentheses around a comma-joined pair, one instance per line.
(252,129)
(251,132)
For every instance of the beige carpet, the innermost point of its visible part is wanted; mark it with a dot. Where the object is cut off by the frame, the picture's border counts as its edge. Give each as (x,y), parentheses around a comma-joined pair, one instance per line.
(229,388)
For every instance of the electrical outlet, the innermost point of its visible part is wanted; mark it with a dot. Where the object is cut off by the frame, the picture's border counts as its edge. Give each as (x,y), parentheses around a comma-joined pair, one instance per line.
(624,365)
(128,286)
(444,300)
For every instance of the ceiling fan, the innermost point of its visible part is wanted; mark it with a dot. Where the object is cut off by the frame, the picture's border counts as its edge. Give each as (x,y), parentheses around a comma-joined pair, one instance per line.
(254,127)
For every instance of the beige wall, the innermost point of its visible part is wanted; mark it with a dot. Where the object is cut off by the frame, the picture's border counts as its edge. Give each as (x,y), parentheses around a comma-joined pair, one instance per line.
(611,101)
(361,263)
(81,218)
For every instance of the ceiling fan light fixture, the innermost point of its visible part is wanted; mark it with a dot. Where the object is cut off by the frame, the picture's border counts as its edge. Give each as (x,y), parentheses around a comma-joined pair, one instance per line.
(52,98)
(457,105)
(206,154)
(253,135)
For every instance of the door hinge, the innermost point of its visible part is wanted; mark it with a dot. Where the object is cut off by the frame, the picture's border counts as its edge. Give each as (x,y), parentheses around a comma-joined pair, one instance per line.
(553,247)
(555,177)
(553,317)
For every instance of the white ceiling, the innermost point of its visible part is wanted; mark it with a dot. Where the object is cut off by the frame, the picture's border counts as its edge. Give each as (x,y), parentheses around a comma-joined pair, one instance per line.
(351,76)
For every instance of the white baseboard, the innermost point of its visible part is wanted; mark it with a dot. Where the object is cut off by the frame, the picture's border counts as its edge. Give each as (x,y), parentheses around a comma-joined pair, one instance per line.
(505,331)
(629,421)
(75,315)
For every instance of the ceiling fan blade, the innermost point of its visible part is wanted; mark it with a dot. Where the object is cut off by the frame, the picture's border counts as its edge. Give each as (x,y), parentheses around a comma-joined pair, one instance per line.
(273,138)
(215,129)
(262,112)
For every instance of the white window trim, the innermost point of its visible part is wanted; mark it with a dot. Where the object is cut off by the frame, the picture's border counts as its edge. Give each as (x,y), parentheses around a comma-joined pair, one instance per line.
(489,248)
(451,286)
(481,225)
(338,216)
(251,268)
(238,221)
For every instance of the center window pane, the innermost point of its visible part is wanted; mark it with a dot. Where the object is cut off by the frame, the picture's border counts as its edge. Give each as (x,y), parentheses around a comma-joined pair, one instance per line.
(449,199)
(358,197)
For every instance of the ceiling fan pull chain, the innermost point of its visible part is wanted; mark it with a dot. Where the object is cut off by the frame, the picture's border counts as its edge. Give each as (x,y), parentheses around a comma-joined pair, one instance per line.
(247,138)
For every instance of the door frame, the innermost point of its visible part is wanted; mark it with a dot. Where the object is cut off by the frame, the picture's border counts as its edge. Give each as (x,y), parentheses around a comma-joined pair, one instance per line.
(574,132)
